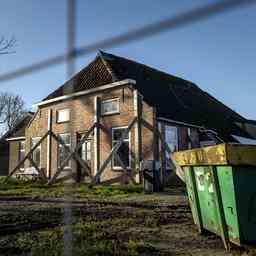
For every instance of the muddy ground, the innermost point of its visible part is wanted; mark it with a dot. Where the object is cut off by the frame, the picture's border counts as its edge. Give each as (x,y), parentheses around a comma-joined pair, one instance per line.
(135,224)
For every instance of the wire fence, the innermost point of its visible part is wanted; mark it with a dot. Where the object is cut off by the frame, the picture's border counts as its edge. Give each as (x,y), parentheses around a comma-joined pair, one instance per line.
(149,30)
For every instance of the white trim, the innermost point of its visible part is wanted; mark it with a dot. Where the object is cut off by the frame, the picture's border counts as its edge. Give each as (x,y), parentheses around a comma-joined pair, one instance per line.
(58,111)
(110,112)
(23,150)
(16,138)
(130,150)
(100,88)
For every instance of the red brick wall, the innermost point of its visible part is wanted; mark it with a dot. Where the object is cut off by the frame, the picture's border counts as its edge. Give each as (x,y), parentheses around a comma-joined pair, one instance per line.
(82,118)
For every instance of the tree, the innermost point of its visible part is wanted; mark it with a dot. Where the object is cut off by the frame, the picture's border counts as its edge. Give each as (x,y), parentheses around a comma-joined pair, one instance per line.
(12,109)
(6,45)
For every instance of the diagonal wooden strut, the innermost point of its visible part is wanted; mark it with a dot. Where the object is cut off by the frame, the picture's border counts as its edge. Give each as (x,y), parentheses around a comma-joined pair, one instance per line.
(73,154)
(126,172)
(113,151)
(177,169)
(28,156)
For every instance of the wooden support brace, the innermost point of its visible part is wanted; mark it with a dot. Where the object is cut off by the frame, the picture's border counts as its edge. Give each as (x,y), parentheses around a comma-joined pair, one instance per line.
(40,171)
(96,141)
(113,151)
(138,137)
(163,155)
(27,156)
(49,145)
(74,155)
(129,174)
(165,145)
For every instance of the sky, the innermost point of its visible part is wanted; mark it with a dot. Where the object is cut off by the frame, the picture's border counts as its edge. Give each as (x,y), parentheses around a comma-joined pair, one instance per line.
(218,54)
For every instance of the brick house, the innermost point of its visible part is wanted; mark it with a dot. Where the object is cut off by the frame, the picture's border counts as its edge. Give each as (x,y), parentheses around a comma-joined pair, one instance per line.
(4,157)
(111,91)
(11,145)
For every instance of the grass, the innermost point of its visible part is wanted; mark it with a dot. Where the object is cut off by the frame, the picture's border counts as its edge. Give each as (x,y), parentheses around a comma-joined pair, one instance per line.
(88,239)
(97,229)
(13,188)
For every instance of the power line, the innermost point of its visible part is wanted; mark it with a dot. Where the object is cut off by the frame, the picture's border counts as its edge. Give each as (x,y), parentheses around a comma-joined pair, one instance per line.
(180,20)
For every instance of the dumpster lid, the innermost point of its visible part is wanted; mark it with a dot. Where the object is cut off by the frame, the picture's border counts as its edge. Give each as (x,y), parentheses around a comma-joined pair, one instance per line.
(222,154)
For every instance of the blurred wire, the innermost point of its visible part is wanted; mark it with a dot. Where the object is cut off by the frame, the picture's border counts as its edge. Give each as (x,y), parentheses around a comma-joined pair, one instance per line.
(180,20)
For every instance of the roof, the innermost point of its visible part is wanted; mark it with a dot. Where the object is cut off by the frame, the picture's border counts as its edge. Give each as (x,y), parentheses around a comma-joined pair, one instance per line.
(19,129)
(173,97)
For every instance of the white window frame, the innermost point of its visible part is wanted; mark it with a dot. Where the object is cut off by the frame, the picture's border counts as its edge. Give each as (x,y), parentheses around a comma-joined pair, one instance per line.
(39,146)
(110,112)
(58,114)
(85,149)
(130,152)
(176,135)
(23,150)
(68,166)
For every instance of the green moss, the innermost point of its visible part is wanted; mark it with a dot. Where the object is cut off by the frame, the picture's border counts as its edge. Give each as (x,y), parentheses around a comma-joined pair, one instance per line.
(14,187)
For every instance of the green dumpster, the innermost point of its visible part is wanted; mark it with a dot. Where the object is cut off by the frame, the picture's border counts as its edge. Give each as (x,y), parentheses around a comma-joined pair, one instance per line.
(221,186)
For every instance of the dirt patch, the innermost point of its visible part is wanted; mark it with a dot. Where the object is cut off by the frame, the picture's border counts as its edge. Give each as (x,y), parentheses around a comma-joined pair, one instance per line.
(137,224)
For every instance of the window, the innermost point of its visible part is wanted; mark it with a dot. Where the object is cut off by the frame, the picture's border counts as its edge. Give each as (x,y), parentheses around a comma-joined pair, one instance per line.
(124,150)
(110,106)
(62,152)
(21,153)
(86,151)
(36,156)
(63,115)
(171,137)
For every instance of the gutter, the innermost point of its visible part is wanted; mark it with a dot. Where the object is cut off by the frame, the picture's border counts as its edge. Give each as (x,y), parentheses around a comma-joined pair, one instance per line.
(201,128)
(171,121)
(77,94)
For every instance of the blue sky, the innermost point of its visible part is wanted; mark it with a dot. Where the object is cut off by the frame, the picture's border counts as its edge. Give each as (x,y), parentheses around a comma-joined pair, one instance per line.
(218,54)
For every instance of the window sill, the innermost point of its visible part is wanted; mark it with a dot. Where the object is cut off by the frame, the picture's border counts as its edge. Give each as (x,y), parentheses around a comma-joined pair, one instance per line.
(63,122)
(110,114)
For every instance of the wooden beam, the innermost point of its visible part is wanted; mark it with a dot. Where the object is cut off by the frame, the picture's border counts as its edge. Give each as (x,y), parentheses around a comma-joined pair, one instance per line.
(138,137)
(39,170)
(178,170)
(27,156)
(163,155)
(156,134)
(118,157)
(165,145)
(96,141)
(73,154)
(113,151)
(60,169)
(49,145)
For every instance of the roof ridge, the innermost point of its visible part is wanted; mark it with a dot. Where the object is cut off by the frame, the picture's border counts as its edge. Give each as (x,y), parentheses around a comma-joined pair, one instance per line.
(146,66)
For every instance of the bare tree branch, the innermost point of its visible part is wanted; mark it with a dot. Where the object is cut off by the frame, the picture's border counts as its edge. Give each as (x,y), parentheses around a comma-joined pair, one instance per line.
(6,45)
(12,109)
